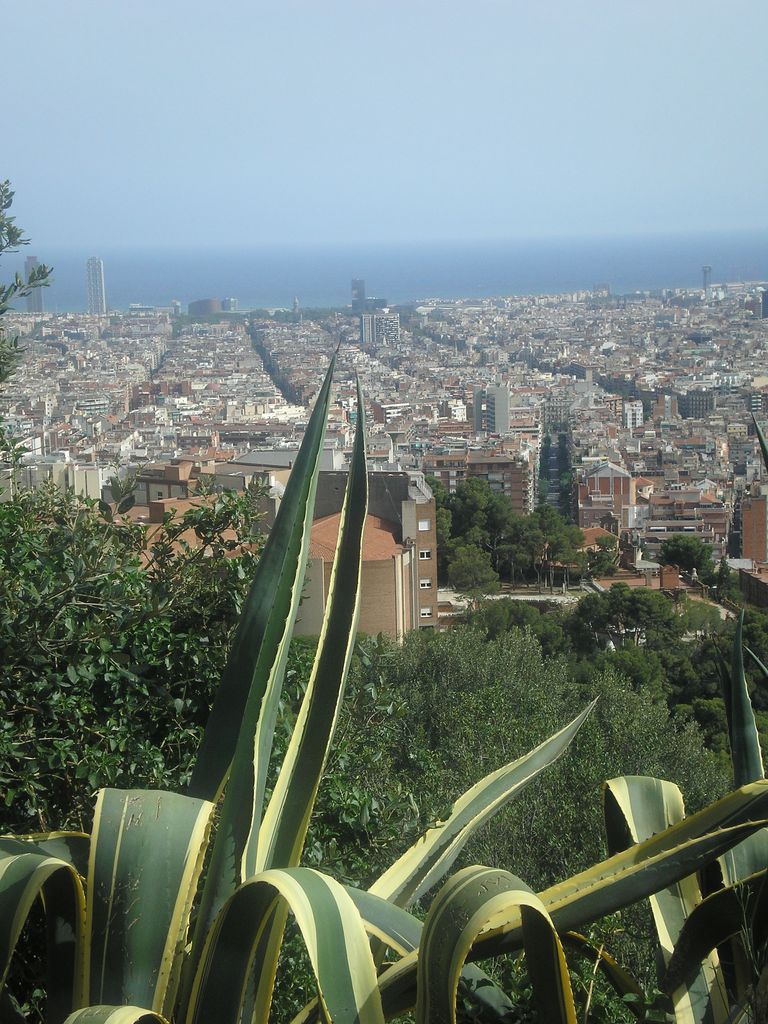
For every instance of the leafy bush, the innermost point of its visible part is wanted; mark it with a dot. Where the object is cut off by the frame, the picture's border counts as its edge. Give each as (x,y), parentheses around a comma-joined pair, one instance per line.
(510,699)
(112,637)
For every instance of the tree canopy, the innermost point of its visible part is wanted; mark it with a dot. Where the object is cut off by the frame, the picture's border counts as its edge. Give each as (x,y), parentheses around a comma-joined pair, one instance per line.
(626,616)
(470,570)
(106,626)
(687,553)
(518,546)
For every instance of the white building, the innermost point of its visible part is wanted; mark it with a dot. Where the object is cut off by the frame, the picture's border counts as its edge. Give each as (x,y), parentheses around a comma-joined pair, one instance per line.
(379,328)
(633,414)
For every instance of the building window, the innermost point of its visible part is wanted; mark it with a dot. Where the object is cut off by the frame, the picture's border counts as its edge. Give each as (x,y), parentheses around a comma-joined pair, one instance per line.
(425,613)
(424,525)
(425,554)
(425,584)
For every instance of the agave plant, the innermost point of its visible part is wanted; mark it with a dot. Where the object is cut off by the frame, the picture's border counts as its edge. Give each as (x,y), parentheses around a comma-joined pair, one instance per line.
(174,907)
(711,929)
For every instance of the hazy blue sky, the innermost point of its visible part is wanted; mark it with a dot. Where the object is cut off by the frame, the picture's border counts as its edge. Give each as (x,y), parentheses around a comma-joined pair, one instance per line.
(242,121)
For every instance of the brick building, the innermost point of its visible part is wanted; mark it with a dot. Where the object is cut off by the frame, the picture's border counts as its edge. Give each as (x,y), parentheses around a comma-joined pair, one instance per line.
(754,527)
(603,492)
(386,584)
(512,475)
(399,578)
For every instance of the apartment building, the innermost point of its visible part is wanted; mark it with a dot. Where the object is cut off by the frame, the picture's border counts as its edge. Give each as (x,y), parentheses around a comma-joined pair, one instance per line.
(399,577)
(604,492)
(754,524)
(511,474)
(689,510)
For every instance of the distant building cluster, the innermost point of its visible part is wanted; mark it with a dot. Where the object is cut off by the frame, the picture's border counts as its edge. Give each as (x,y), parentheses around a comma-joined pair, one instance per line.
(640,406)
(209,307)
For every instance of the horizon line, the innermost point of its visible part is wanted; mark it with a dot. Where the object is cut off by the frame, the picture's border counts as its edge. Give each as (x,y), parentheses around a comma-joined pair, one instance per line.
(637,235)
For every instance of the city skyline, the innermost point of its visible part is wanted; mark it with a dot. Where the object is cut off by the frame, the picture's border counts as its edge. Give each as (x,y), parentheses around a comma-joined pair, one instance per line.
(503,121)
(271,277)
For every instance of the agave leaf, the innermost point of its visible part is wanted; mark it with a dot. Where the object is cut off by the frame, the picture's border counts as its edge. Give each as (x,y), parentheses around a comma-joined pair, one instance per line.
(257,667)
(284,828)
(432,855)
(146,858)
(279,839)
(763,668)
(392,926)
(458,914)
(716,919)
(115,1015)
(267,616)
(622,880)
(742,731)
(744,860)
(333,933)
(740,864)
(605,888)
(71,847)
(546,963)
(746,757)
(25,874)
(636,808)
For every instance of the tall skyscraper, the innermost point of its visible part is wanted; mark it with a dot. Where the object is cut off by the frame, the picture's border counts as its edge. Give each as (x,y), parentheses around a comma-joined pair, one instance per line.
(497,409)
(97,296)
(706,274)
(35,298)
(358,295)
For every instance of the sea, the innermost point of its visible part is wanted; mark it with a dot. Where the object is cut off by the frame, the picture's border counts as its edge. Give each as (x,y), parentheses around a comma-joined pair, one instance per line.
(319,276)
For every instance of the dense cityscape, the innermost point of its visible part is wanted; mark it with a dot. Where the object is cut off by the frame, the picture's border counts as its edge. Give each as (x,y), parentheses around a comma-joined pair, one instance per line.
(648,397)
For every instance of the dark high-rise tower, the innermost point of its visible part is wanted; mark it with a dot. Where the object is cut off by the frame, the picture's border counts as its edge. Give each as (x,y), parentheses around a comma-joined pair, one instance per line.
(35,297)
(358,295)
(97,296)
(706,274)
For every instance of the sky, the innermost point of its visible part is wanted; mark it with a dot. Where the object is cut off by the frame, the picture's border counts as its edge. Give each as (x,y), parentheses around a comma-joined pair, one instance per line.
(245,122)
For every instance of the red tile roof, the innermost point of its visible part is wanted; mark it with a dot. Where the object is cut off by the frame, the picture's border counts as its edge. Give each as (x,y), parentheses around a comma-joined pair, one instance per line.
(379,538)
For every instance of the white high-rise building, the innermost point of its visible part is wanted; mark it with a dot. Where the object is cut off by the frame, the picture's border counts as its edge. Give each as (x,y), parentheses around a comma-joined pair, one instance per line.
(381,328)
(633,414)
(97,296)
